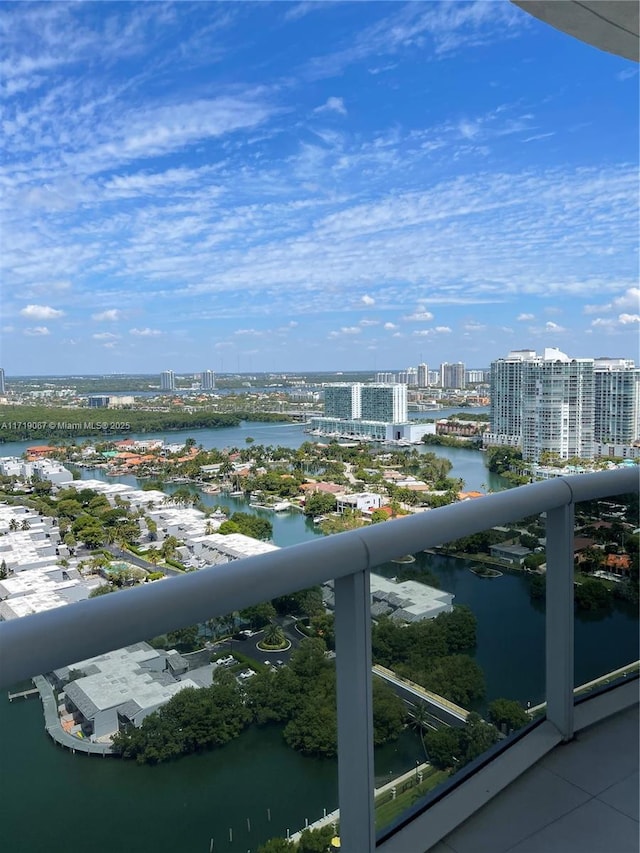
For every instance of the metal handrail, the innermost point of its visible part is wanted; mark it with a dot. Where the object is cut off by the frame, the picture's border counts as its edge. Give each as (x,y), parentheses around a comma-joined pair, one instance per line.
(46,641)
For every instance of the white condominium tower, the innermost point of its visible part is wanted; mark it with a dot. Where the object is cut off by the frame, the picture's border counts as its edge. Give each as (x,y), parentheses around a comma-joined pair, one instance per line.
(543,403)
(2,382)
(506,397)
(381,402)
(342,400)
(423,376)
(408,376)
(617,401)
(557,406)
(384,402)
(207,380)
(167,380)
(452,375)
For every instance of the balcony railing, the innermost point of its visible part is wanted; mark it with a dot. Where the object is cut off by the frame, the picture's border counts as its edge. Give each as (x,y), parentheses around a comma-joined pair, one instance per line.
(46,641)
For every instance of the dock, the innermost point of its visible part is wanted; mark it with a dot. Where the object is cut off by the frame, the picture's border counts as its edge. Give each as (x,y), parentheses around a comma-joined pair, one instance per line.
(23,694)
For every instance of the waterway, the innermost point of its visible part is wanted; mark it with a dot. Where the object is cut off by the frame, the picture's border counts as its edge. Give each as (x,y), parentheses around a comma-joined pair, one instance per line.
(238,796)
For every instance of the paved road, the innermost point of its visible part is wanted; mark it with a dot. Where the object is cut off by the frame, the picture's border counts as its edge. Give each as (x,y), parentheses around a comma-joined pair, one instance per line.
(249,647)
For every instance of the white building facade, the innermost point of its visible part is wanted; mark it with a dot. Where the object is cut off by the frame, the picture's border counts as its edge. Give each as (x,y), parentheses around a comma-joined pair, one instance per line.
(617,401)
(543,403)
(167,380)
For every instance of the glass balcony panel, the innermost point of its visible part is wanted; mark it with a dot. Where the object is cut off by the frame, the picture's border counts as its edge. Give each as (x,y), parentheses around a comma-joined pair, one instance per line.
(459,631)
(606,593)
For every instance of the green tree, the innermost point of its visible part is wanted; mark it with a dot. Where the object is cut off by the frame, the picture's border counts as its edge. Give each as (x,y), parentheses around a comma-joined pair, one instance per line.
(456,677)
(259,615)
(507,714)
(315,840)
(592,595)
(250,525)
(276,845)
(186,638)
(103,589)
(378,515)
(319,503)
(274,635)
(419,720)
(388,713)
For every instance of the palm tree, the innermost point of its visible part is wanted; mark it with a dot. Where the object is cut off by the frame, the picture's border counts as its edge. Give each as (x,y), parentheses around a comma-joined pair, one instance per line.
(273,635)
(420,721)
(153,555)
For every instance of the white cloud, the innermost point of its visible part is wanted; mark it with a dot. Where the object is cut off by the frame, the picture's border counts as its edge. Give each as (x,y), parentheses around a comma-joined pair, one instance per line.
(436,330)
(523,317)
(625,319)
(550,326)
(366,322)
(390,326)
(111,315)
(104,336)
(335,105)
(629,299)
(41,312)
(145,333)
(475,327)
(345,330)
(420,317)
(7,329)
(368,300)
(37,331)
(249,332)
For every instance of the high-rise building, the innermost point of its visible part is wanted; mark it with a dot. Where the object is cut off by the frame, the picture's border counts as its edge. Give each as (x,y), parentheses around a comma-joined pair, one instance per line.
(506,397)
(557,406)
(384,402)
(475,377)
(543,403)
(452,375)
(385,377)
(408,376)
(617,401)
(423,376)
(167,380)
(207,380)
(3,387)
(342,400)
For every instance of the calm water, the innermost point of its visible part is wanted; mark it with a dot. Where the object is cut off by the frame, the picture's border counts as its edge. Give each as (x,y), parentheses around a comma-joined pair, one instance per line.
(55,801)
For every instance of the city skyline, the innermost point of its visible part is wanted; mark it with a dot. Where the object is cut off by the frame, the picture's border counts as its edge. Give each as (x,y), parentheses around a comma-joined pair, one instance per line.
(251,186)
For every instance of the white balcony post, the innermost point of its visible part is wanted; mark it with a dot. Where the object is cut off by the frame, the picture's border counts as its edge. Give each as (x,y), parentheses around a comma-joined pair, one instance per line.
(355,713)
(560,616)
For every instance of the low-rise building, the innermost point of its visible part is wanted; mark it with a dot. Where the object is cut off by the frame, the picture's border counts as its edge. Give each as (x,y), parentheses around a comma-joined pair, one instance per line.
(121,687)
(362,501)
(513,554)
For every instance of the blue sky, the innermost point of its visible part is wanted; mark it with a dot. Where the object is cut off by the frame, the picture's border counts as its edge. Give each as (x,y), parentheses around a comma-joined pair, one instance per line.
(304,186)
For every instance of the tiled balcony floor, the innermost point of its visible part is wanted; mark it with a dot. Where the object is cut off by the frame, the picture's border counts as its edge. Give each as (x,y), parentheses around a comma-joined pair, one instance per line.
(581,798)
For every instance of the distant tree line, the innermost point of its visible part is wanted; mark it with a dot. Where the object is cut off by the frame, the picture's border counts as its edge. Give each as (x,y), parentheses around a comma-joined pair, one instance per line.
(52,423)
